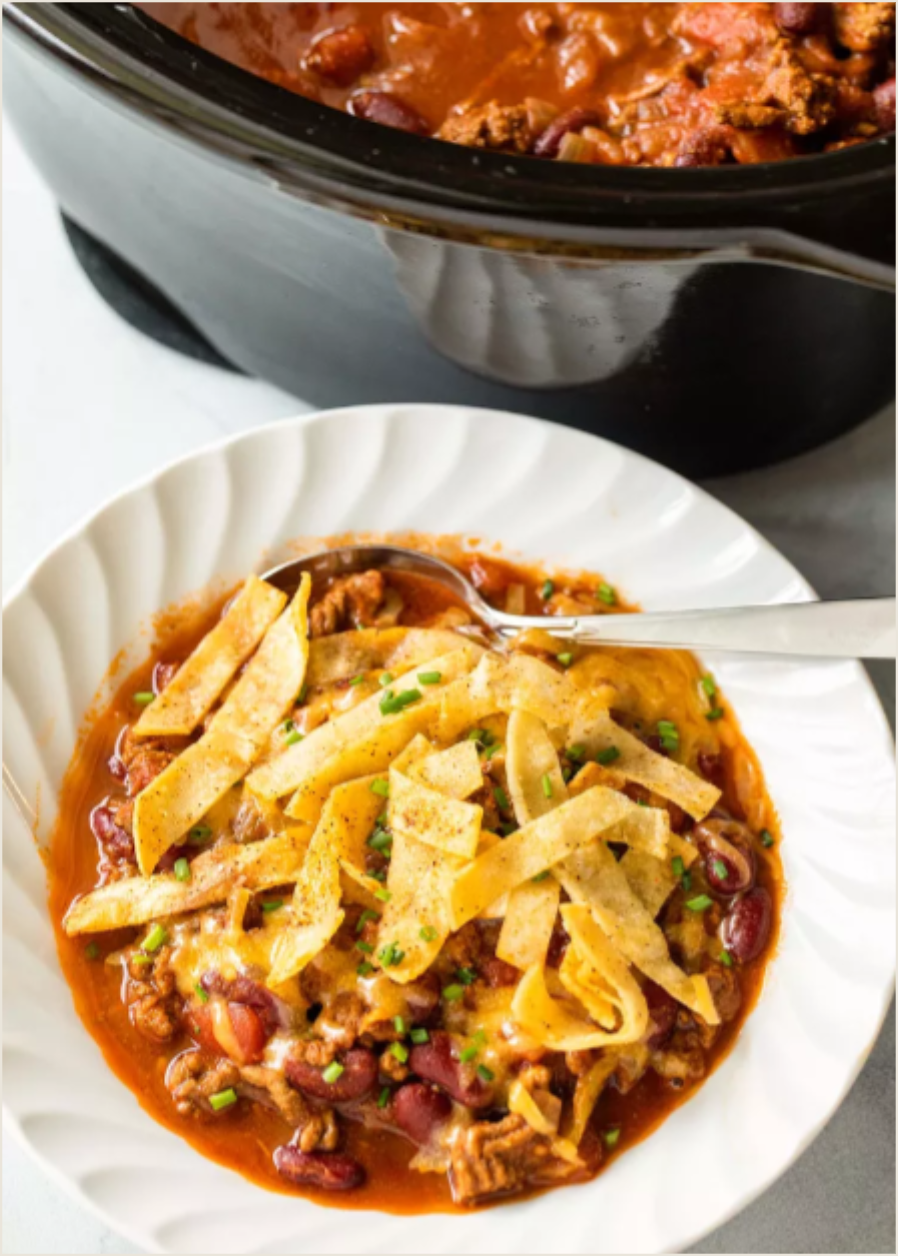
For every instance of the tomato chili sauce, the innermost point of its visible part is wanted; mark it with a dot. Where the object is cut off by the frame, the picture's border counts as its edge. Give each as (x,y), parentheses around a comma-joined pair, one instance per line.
(601,84)
(243,1136)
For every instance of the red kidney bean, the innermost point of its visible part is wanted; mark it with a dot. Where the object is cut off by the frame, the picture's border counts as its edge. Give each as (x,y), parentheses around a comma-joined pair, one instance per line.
(884,100)
(163,673)
(574,120)
(341,55)
(423,997)
(357,1079)
(418,1109)
(711,766)
(246,1028)
(727,844)
(328,1170)
(437,1062)
(388,111)
(272,1011)
(663,1013)
(168,860)
(116,841)
(795,19)
(496,972)
(744,932)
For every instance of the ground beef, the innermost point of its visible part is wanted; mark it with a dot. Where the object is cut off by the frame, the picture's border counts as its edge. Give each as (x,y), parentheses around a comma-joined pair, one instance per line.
(154,1005)
(269,1087)
(499,1158)
(319,1132)
(142,759)
(864,27)
(318,1052)
(193,1076)
(682,1060)
(350,602)
(391,1067)
(501,127)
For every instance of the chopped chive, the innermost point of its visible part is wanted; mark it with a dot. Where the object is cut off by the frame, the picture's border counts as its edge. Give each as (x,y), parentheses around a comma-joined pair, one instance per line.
(469,1054)
(365,969)
(477,734)
(223,1099)
(565,659)
(726,959)
(669,735)
(357,680)
(605,593)
(453,993)
(547,785)
(485,1073)
(143,698)
(428,934)
(399,1024)
(566,774)
(365,947)
(488,738)
(385,679)
(540,876)
(366,915)
(717,713)
(547,590)
(199,833)
(273,904)
(182,869)
(398,1051)
(288,726)
(611,1138)
(292,738)
(333,1072)
(383,895)
(479,1038)
(381,788)
(607,756)
(766,838)
(641,802)
(491,750)
(379,875)
(380,840)
(430,678)
(686,881)
(91,951)
(720,870)
(466,976)
(501,798)
(392,704)
(200,993)
(390,955)
(419,1035)
(302,695)
(154,938)
(507,829)
(710,688)
(141,959)
(700,903)
(384,1097)
(576,754)
(677,866)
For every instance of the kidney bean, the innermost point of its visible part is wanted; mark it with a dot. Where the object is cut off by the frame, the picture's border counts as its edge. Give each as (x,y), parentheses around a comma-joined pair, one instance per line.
(163,673)
(328,1170)
(388,111)
(884,100)
(727,843)
(168,860)
(357,1079)
(437,1062)
(574,120)
(795,19)
(272,1011)
(247,1032)
(116,841)
(711,766)
(744,932)
(341,55)
(663,1013)
(418,1109)
(496,972)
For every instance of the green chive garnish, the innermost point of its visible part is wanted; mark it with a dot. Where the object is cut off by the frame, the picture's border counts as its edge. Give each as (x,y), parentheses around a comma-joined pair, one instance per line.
(357,680)
(677,866)
(710,688)
(200,993)
(366,915)
(466,976)
(273,904)
(380,840)
(607,756)
(766,837)
(384,1097)
(547,590)
(469,1054)
(430,678)
(391,704)
(605,593)
(302,695)
(491,750)
(333,1072)
(381,787)
(399,1024)
(292,738)
(485,1073)
(477,734)
(547,786)
(385,679)
(199,833)
(565,659)
(507,829)
(182,869)
(91,951)
(501,798)
(717,713)
(365,947)
(154,938)
(141,959)
(453,993)
(576,754)
(419,1035)
(390,955)
(720,870)
(726,959)
(700,903)
(669,735)
(540,876)
(383,895)
(686,881)
(428,934)
(611,1138)
(365,969)
(399,1051)
(143,698)
(223,1099)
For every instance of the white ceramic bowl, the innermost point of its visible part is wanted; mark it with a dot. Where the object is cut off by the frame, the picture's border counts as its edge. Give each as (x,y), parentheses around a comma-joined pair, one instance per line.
(550,494)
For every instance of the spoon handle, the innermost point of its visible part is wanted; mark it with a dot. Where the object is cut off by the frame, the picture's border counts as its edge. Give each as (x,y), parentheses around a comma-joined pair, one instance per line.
(864,628)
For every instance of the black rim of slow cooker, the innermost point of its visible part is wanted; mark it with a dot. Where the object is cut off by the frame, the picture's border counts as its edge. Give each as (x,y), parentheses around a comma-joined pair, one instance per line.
(298,140)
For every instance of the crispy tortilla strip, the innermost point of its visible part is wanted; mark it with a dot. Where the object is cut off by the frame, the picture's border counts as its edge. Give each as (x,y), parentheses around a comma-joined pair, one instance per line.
(597,731)
(545,1119)
(535,848)
(415,810)
(646,829)
(181,795)
(596,974)
(316,911)
(202,677)
(594,878)
(415,920)
(417,749)
(651,879)
(556,1024)
(586,1095)
(137,900)
(530,759)
(352,810)
(679,846)
(520,682)
(455,772)
(343,655)
(361,735)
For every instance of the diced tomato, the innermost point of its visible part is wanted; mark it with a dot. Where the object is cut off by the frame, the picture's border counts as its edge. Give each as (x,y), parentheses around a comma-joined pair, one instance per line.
(244,1044)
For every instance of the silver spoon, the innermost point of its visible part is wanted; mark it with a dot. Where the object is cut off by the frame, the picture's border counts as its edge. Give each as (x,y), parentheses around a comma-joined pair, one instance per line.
(864,628)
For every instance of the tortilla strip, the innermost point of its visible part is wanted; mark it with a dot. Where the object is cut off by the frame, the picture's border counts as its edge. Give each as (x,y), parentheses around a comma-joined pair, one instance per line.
(646,829)
(597,975)
(553,1023)
(532,907)
(446,823)
(455,772)
(138,900)
(519,682)
(182,794)
(594,878)
(303,767)
(416,918)
(202,677)
(535,848)
(586,1095)
(598,731)
(651,880)
(352,811)
(343,655)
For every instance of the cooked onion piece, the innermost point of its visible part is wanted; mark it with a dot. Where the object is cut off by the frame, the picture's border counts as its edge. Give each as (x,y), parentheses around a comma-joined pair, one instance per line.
(203,676)
(182,794)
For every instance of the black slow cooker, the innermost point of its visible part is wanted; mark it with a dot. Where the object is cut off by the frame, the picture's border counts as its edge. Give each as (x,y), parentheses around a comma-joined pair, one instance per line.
(715,318)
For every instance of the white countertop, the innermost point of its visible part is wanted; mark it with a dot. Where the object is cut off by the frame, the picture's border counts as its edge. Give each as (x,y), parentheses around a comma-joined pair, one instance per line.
(89,406)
